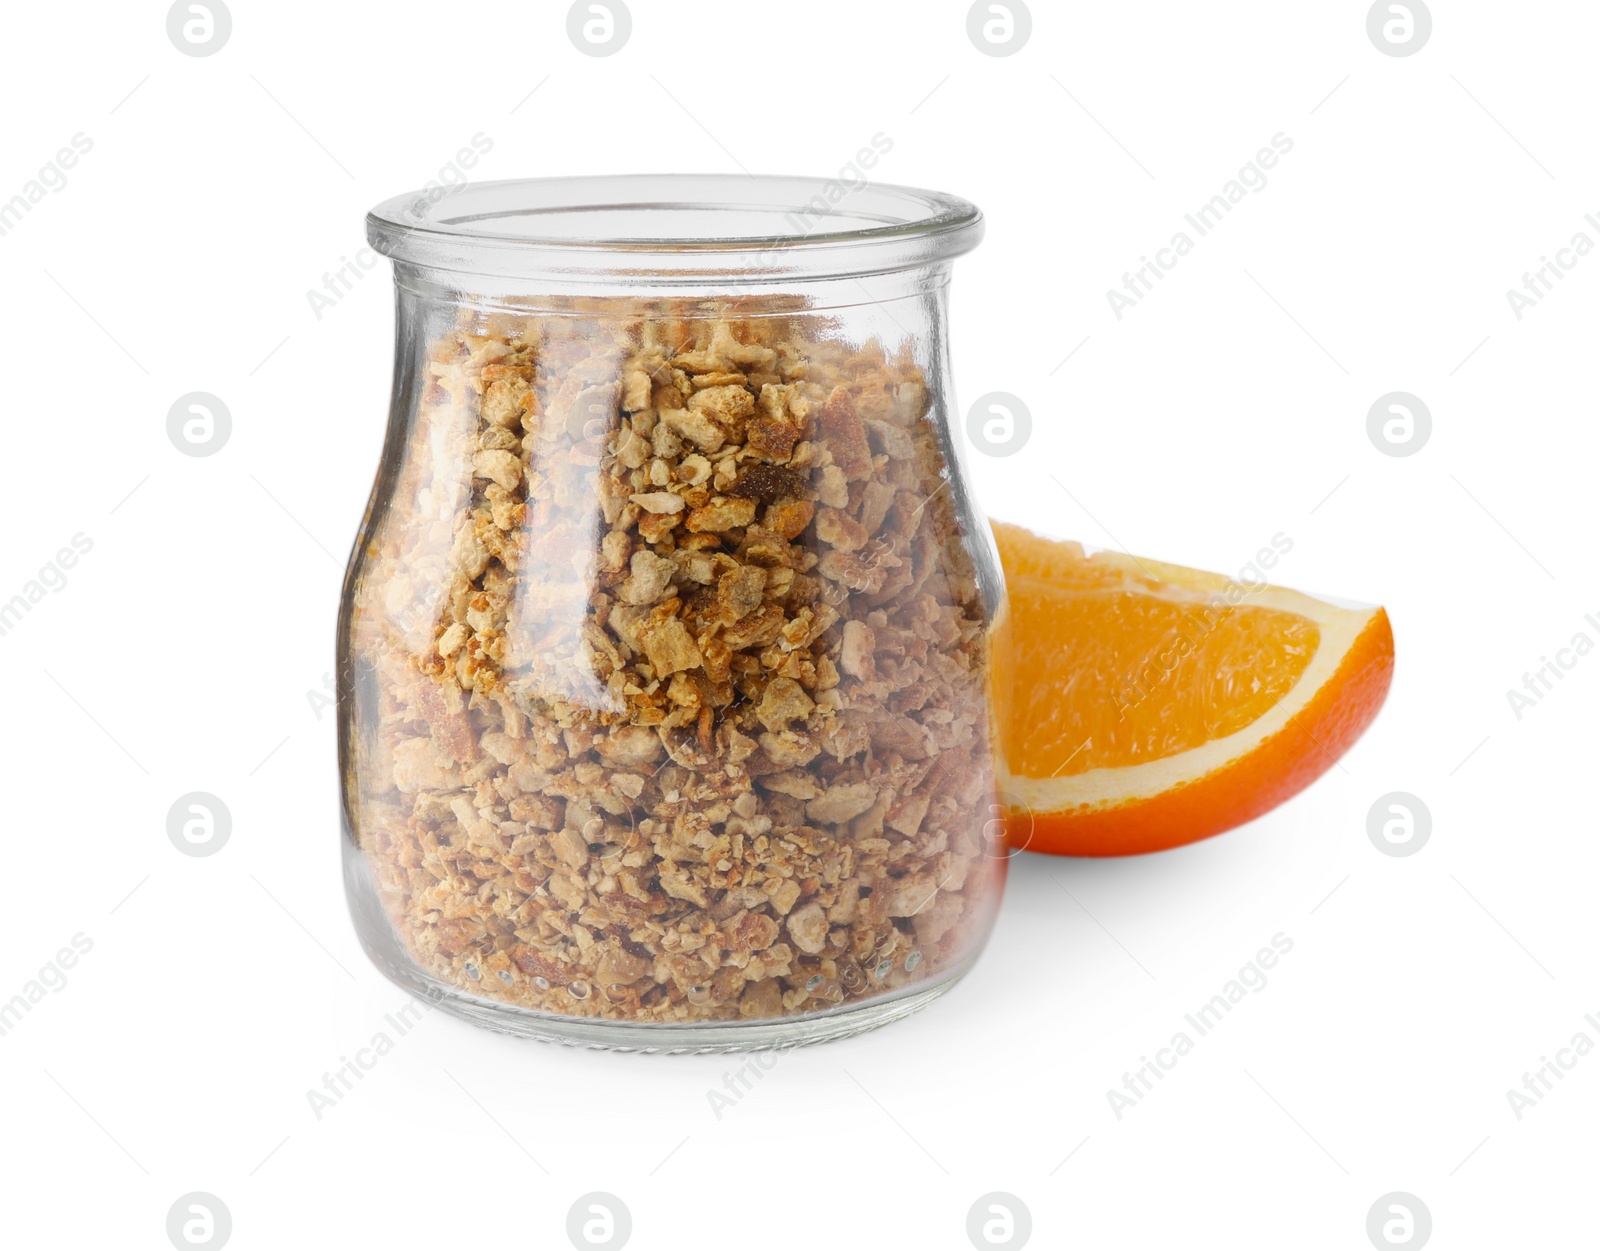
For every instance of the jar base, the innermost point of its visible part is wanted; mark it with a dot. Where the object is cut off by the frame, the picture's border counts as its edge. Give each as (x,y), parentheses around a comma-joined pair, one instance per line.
(383,948)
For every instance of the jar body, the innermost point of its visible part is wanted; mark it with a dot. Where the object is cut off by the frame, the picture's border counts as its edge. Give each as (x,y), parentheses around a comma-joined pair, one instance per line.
(667,666)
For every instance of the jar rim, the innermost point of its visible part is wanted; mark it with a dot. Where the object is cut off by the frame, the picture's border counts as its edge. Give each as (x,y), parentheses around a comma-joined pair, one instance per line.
(731,228)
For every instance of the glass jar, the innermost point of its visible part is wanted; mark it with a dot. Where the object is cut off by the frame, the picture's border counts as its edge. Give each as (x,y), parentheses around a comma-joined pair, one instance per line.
(665,647)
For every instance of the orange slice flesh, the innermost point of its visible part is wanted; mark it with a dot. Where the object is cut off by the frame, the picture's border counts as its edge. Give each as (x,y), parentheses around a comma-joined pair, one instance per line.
(1155,705)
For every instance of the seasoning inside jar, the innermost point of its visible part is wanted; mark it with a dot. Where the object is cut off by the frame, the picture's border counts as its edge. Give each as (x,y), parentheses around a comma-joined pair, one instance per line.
(670,655)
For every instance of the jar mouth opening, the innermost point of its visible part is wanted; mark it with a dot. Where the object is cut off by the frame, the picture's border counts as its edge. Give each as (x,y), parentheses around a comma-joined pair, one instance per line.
(664,225)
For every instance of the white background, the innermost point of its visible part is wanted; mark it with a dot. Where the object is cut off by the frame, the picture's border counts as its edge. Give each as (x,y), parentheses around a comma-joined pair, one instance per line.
(1223,409)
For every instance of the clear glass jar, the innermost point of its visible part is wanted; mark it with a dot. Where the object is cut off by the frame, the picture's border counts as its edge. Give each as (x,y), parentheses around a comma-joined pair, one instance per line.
(665,648)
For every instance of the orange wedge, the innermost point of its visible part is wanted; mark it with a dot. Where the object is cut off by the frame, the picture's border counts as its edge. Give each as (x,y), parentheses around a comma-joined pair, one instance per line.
(1156,705)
